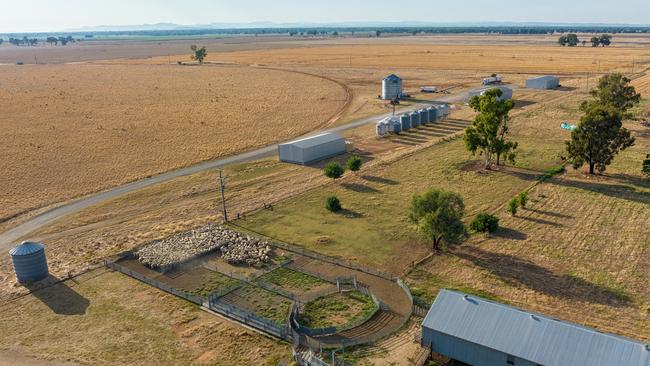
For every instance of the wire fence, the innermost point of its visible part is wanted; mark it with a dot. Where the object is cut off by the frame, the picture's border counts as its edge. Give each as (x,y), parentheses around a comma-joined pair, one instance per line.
(249,318)
(199,300)
(333,260)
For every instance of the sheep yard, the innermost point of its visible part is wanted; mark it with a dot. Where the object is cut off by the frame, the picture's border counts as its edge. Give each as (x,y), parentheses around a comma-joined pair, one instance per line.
(580,247)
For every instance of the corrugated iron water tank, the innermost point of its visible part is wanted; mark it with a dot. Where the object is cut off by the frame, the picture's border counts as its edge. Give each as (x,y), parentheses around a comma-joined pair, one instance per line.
(29,262)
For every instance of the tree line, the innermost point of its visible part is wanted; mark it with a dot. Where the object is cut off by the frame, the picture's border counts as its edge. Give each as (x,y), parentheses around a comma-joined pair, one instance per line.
(505,29)
(26,41)
(571,40)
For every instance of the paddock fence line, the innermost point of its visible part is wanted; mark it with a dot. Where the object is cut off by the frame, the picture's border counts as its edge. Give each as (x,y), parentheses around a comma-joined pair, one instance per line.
(249,318)
(252,281)
(315,255)
(199,300)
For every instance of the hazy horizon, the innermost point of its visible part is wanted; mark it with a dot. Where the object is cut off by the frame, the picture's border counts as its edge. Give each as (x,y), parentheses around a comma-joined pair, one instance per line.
(53,16)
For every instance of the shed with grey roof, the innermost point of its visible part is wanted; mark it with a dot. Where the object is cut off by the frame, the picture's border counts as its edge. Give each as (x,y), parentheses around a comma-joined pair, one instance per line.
(543,82)
(312,149)
(480,332)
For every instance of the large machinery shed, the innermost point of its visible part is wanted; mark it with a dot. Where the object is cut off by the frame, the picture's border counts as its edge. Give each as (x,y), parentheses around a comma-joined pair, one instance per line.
(312,149)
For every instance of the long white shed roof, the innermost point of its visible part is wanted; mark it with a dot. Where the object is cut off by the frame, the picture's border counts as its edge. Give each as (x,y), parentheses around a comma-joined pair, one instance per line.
(316,140)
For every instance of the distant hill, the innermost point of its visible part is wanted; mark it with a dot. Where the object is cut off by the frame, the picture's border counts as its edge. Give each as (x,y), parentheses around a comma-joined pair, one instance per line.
(272,25)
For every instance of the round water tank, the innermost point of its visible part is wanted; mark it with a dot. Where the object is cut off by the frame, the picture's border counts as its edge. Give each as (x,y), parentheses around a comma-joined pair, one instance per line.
(29,262)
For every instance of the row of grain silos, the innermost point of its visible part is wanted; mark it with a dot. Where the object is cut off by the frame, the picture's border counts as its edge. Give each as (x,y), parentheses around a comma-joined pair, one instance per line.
(406,121)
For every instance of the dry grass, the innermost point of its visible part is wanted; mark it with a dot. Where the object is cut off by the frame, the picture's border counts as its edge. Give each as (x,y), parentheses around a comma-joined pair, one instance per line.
(110,319)
(486,58)
(68,130)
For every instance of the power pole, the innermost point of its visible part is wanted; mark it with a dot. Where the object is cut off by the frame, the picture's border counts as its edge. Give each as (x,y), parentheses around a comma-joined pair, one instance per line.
(222,184)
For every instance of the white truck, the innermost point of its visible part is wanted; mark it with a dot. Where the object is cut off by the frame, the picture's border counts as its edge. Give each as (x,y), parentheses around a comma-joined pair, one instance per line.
(494,79)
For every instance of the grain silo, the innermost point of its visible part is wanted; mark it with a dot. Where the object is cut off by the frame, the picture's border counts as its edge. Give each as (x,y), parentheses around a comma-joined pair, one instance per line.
(439,113)
(29,262)
(381,129)
(543,82)
(394,125)
(405,120)
(415,119)
(391,87)
(424,115)
(312,149)
(443,111)
(432,114)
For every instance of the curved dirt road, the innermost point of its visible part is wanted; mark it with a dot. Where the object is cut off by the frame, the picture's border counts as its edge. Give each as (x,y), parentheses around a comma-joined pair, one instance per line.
(11,236)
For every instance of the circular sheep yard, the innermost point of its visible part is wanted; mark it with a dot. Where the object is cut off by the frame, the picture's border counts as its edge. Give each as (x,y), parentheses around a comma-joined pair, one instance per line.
(341,310)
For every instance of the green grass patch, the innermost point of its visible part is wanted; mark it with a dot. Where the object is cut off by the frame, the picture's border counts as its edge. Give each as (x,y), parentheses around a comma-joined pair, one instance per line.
(292,280)
(215,281)
(265,303)
(337,310)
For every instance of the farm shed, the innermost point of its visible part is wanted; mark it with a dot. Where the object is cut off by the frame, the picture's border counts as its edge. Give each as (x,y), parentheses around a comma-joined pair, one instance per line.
(480,332)
(391,87)
(543,82)
(507,92)
(312,149)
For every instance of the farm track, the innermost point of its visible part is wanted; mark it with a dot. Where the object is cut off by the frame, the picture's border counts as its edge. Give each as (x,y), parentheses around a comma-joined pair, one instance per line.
(383,323)
(9,237)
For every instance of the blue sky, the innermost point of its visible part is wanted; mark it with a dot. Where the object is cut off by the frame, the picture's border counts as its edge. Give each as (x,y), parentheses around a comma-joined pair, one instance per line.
(52,15)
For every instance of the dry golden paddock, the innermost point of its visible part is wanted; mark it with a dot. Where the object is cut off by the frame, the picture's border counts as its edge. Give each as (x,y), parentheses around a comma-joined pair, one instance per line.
(581,247)
(69,130)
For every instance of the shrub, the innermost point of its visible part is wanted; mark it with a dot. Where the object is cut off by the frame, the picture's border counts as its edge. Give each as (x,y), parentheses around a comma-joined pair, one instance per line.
(513,205)
(333,170)
(646,166)
(523,199)
(333,204)
(484,223)
(354,163)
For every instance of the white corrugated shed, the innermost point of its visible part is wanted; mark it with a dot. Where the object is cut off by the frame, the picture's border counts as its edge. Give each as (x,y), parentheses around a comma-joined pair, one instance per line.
(543,82)
(506,92)
(311,149)
(485,332)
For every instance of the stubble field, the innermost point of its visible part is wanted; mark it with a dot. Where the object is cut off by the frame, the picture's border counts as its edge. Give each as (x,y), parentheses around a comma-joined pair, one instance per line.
(69,130)
(581,244)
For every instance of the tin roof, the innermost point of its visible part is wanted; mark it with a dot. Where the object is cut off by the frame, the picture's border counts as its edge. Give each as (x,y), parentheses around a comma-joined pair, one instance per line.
(26,248)
(392,77)
(311,141)
(545,77)
(530,336)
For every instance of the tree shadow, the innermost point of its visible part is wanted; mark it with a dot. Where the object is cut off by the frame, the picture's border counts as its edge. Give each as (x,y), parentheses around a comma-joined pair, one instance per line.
(521,272)
(521,103)
(349,213)
(507,233)
(359,188)
(521,173)
(541,221)
(621,191)
(375,179)
(549,213)
(61,298)
(625,178)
